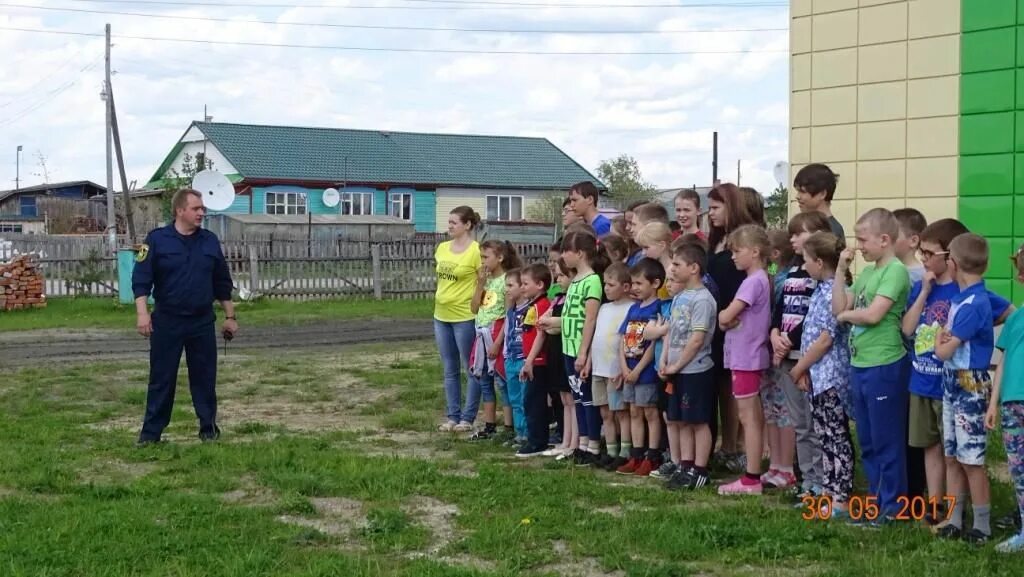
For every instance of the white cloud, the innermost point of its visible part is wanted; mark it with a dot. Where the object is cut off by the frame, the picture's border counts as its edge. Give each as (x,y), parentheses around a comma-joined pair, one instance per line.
(660,109)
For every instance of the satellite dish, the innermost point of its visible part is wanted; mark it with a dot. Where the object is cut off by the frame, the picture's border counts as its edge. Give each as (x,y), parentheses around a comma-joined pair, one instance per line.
(781,172)
(218,192)
(331,197)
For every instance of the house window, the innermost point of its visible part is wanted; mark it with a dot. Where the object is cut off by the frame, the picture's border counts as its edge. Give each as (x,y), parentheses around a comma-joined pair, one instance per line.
(355,203)
(401,205)
(286,203)
(504,208)
(15,228)
(28,206)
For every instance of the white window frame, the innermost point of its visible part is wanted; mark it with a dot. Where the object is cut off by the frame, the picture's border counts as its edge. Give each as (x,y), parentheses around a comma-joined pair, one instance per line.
(510,216)
(396,205)
(350,201)
(285,203)
(11,228)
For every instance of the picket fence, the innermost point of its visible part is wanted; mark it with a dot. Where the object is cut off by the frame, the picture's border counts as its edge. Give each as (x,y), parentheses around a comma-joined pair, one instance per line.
(289,269)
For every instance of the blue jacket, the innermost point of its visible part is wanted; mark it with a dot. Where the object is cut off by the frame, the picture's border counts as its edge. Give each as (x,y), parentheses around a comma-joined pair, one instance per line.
(184,273)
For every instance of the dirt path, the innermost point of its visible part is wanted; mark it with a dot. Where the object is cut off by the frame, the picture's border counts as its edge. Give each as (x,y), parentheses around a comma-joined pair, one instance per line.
(48,346)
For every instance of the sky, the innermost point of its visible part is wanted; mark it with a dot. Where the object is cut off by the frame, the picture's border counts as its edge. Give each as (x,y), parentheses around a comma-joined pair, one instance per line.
(729,72)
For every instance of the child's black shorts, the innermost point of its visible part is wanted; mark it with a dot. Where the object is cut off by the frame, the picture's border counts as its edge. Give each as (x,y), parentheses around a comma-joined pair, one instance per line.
(692,400)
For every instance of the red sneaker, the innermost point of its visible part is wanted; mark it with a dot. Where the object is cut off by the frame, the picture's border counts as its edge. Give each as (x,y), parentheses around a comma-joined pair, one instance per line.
(645,468)
(630,467)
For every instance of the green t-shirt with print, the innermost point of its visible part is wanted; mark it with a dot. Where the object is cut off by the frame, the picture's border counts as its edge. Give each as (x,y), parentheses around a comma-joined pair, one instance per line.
(492,305)
(880,344)
(1011,342)
(574,312)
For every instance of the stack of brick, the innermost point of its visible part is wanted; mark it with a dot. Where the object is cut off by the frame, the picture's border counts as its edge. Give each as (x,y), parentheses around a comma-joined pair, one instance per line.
(21,284)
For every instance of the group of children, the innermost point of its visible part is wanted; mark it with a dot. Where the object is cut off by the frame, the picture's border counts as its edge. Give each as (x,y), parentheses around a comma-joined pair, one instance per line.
(613,340)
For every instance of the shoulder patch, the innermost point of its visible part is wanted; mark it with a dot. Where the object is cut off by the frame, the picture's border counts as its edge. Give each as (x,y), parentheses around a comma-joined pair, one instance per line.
(143,253)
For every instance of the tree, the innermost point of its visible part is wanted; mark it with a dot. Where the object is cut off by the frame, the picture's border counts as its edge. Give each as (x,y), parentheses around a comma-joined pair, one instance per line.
(625,182)
(547,209)
(175,179)
(776,207)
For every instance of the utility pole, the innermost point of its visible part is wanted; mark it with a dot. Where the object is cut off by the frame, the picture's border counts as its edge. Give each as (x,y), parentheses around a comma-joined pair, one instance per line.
(17,168)
(111,218)
(738,171)
(714,159)
(129,221)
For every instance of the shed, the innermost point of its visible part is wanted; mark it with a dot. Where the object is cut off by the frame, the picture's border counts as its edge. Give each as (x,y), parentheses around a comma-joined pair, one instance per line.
(317,227)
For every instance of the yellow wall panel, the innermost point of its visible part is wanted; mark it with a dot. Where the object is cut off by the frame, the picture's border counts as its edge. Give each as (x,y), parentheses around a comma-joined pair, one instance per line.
(834,68)
(835,30)
(820,6)
(800,108)
(932,136)
(799,8)
(847,185)
(800,35)
(934,209)
(885,101)
(834,106)
(932,177)
(882,140)
(882,62)
(800,145)
(939,56)
(939,96)
(834,143)
(881,178)
(865,3)
(884,23)
(845,212)
(864,205)
(933,18)
(800,72)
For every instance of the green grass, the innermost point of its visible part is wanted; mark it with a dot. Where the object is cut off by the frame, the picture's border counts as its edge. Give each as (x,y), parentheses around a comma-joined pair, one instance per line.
(100,313)
(335,497)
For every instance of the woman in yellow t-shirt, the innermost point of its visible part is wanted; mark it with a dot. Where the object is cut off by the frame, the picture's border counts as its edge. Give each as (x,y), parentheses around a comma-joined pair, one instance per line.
(458,263)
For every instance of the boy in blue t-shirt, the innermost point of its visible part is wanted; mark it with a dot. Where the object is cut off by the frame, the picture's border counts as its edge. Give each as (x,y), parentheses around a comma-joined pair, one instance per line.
(639,369)
(927,314)
(966,345)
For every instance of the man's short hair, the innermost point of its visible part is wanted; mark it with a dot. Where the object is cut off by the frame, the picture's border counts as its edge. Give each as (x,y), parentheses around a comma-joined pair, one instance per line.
(881,221)
(180,199)
(911,221)
(651,212)
(815,179)
(970,253)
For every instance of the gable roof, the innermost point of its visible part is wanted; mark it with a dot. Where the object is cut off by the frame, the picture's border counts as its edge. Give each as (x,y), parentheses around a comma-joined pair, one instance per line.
(50,186)
(319,154)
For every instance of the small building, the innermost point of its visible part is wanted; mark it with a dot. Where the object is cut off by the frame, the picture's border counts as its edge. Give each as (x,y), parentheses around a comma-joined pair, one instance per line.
(32,209)
(416,177)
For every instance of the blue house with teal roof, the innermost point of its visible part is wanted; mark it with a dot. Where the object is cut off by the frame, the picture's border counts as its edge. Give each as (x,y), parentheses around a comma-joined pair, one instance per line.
(414,176)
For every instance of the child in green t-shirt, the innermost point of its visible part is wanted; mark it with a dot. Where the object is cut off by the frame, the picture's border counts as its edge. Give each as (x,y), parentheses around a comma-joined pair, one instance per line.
(879,359)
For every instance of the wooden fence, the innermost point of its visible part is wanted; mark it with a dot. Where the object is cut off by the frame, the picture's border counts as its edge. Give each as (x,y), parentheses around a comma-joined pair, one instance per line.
(300,270)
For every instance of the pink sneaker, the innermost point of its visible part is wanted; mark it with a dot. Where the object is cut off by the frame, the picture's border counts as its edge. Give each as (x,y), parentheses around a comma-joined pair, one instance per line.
(782,480)
(769,477)
(741,487)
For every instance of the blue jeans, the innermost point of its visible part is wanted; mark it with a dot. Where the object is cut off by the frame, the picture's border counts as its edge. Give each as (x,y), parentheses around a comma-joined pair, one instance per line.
(881,402)
(454,340)
(516,392)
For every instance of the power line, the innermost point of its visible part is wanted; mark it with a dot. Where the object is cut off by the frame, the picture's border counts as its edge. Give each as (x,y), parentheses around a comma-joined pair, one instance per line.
(381,27)
(49,95)
(28,91)
(392,49)
(447,5)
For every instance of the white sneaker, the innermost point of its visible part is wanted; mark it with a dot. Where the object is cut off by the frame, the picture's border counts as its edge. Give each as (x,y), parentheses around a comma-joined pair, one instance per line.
(552,452)
(448,427)
(463,427)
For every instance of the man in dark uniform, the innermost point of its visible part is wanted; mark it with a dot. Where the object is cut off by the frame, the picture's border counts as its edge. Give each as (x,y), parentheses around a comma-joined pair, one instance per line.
(183,266)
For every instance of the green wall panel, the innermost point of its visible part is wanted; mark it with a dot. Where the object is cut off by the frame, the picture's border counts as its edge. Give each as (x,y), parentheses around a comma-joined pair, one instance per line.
(988,50)
(989,216)
(1018,216)
(987,91)
(1020,93)
(1001,287)
(1018,174)
(999,251)
(982,14)
(986,175)
(1020,46)
(991,133)
(1020,12)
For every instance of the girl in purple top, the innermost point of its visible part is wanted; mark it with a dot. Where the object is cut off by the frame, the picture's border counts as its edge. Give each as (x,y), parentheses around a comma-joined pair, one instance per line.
(746,322)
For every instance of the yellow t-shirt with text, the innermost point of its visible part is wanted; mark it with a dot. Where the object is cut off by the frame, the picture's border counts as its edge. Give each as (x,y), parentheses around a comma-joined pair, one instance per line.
(456,282)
